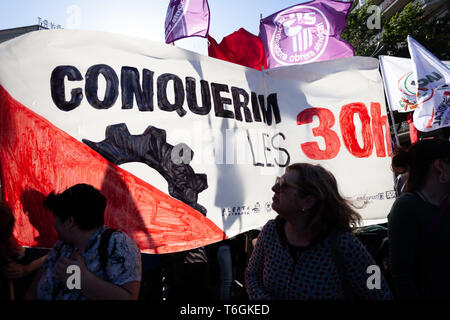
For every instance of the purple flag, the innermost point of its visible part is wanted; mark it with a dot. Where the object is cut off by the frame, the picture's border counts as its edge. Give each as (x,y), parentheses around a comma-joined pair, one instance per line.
(186,18)
(307,32)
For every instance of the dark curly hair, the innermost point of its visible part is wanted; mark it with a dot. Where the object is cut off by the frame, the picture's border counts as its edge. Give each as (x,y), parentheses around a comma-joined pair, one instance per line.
(332,210)
(417,159)
(82,202)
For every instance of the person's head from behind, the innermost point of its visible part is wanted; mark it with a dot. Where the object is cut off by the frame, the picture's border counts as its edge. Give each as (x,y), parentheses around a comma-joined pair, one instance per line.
(79,208)
(427,162)
(312,192)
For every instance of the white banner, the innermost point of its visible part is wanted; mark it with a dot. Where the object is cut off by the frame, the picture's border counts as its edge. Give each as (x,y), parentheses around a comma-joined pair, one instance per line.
(176,101)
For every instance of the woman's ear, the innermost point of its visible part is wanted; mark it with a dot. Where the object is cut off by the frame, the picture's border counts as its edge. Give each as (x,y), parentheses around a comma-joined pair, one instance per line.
(309,202)
(70,222)
(442,172)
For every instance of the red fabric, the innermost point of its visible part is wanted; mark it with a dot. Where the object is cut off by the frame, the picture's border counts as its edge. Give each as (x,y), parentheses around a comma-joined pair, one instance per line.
(413,133)
(37,158)
(240,47)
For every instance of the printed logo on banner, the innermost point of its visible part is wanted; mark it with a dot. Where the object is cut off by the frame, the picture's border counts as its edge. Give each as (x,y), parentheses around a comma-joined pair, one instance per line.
(237,211)
(257,208)
(303,35)
(241,210)
(390,194)
(378,196)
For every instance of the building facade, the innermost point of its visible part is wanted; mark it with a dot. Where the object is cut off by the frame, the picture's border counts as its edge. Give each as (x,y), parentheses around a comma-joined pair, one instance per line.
(8,34)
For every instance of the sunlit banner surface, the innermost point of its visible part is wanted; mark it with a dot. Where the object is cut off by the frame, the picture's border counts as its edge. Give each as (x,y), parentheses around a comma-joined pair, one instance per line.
(186,148)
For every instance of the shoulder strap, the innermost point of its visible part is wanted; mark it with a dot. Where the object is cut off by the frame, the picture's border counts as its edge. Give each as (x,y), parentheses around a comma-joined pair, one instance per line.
(103,247)
(340,265)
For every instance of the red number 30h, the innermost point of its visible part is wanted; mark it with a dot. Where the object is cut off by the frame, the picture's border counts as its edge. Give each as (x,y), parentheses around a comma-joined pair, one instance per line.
(372,131)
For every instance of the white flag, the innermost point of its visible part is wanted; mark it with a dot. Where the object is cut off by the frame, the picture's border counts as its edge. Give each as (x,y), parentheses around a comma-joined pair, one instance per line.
(400,83)
(433,91)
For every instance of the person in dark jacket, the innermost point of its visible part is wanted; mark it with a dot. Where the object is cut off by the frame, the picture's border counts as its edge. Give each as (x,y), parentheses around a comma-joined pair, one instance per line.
(419,222)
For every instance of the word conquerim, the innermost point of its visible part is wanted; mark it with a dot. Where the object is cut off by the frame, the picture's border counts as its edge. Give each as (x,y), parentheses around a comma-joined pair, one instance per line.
(131,87)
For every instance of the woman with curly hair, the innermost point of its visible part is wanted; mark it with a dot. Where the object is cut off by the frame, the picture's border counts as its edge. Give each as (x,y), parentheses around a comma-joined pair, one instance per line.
(419,222)
(308,251)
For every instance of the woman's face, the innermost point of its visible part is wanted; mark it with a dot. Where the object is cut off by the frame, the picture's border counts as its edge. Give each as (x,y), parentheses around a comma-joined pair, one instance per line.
(287,199)
(445,172)
(63,229)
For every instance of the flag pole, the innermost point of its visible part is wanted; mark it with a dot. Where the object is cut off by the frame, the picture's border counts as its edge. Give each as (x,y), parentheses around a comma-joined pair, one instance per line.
(11,290)
(393,125)
(388,104)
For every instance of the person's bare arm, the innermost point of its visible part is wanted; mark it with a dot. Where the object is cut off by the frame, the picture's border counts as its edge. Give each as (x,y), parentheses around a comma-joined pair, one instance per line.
(96,288)
(92,286)
(15,270)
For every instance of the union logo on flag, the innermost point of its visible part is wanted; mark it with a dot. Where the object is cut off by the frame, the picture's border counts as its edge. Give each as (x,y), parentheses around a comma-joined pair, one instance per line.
(306,33)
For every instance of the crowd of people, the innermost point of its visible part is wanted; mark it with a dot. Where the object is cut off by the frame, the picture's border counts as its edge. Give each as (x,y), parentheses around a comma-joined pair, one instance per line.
(308,252)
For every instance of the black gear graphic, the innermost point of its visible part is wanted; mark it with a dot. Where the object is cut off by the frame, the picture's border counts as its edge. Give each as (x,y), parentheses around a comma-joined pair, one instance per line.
(152,149)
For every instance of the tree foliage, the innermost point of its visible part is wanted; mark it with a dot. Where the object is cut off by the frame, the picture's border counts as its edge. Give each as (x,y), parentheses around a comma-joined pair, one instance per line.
(358,34)
(391,39)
